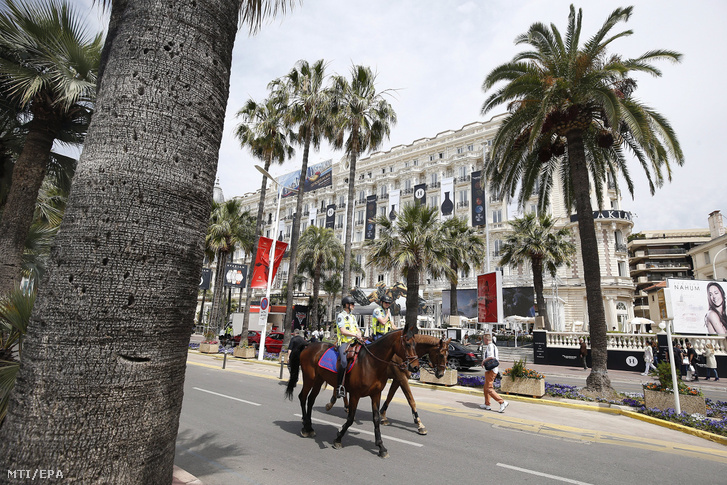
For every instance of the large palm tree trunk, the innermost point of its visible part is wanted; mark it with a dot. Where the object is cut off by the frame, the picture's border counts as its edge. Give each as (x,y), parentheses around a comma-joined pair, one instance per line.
(215,323)
(251,269)
(598,379)
(101,382)
(294,236)
(349,226)
(539,294)
(28,175)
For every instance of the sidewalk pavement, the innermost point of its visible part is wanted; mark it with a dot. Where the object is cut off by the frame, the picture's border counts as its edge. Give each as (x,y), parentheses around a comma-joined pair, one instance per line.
(552,372)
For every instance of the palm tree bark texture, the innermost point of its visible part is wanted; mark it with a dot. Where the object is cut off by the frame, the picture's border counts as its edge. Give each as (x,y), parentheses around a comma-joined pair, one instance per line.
(100,387)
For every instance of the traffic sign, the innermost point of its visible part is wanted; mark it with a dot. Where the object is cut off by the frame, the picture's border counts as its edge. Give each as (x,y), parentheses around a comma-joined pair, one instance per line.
(264,309)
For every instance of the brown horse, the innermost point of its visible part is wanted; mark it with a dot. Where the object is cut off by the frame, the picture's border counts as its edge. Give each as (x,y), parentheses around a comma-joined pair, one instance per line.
(436,350)
(367,378)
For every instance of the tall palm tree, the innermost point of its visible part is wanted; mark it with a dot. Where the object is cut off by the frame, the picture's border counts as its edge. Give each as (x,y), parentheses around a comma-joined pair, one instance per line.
(363,119)
(308,108)
(410,245)
(465,249)
(50,74)
(264,131)
(320,251)
(147,169)
(572,112)
(332,286)
(537,239)
(230,228)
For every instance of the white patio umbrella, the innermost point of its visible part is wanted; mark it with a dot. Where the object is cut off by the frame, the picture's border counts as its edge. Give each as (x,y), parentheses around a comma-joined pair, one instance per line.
(641,321)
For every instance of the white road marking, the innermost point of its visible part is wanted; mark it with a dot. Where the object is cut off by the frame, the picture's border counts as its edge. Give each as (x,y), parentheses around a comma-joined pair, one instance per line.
(228,397)
(533,472)
(338,425)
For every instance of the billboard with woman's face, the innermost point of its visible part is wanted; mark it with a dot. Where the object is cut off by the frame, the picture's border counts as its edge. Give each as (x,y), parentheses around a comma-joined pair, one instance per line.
(698,306)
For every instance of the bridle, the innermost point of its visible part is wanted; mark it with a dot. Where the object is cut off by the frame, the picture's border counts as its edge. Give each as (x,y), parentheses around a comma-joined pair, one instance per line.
(401,365)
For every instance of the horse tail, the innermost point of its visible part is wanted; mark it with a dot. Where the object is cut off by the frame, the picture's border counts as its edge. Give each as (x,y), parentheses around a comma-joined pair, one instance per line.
(294,363)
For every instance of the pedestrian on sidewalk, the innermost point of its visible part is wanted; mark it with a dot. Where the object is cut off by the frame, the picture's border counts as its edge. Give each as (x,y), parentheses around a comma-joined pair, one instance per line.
(692,374)
(584,352)
(648,358)
(655,351)
(490,352)
(711,362)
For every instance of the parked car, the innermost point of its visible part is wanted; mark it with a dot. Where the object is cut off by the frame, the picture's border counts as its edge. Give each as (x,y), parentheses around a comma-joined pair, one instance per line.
(462,358)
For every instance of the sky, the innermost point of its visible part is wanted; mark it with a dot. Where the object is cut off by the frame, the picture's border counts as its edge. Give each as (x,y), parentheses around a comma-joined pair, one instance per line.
(434,55)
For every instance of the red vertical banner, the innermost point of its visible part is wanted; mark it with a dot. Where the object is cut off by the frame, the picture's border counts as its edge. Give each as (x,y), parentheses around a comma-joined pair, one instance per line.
(489,303)
(262,261)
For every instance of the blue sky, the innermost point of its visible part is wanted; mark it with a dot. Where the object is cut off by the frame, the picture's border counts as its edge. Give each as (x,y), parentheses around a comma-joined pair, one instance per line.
(436,53)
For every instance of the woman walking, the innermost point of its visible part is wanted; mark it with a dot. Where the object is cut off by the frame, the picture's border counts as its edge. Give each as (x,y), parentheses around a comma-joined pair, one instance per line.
(490,353)
(711,362)
(648,358)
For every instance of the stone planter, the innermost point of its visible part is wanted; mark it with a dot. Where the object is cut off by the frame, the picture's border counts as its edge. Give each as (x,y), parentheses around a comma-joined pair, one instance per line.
(665,400)
(523,386)
(244,352)
(448,379)
(209,348)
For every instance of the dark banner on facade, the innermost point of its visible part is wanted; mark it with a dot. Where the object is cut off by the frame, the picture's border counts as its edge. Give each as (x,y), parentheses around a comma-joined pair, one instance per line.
(420,194)
(262,261)
(204,281)
(330,216)
(478,200)
(370,216)
(235,275)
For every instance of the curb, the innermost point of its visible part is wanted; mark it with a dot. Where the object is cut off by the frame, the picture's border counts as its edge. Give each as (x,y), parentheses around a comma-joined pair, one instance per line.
(595,407)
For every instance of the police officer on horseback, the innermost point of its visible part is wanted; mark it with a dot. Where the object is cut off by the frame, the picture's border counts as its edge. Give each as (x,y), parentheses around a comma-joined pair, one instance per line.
(382,323)
(347,331)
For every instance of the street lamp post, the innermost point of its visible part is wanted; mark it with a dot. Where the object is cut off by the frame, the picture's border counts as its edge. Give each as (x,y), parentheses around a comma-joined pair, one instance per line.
(714,264)
(271,260)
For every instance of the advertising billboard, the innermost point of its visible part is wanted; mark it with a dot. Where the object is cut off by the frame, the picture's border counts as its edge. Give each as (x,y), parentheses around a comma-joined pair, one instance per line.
(698,306)
(519,301)
(466,303)
(489,298)
(317,176)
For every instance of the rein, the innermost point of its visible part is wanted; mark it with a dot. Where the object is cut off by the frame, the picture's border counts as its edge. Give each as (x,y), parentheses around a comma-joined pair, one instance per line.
(403,365)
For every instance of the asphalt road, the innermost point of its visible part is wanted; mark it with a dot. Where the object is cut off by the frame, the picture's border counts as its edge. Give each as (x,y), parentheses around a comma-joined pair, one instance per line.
(236,427)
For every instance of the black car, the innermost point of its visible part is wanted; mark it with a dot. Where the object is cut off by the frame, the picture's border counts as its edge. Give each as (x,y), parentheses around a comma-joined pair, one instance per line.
(460,357)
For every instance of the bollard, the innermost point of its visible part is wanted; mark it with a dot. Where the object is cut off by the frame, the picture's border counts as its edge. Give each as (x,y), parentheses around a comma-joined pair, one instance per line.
(224,358)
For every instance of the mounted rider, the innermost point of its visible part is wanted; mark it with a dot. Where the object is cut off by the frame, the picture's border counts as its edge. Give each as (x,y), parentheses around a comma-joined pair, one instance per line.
(382,322)
(347,331)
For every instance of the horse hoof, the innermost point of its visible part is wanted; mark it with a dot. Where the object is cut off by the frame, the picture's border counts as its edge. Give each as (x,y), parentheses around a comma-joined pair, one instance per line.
(385,422)
(307,434)
(422,431)
(383,454)
(329,406)
(337,446)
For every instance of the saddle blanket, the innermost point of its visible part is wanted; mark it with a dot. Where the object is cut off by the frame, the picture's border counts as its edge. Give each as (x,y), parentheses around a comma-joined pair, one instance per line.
(329,361)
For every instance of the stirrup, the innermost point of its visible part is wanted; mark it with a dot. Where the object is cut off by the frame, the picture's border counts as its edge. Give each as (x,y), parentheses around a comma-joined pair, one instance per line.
(341,392)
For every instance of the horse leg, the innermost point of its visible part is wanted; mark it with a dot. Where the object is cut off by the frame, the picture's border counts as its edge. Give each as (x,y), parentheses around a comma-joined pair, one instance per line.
(375,399)
(353,403)
(307,424)
(413,405)
(392,390)
(330,403)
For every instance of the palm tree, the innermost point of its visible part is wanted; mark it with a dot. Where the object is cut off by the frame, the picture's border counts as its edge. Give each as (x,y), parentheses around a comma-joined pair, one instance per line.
(332,286)
(538,240)
(127,261)
(410,245)
(366,117)
(320,251)
(230,228)
(308,108)
(572,113)
(50,75)
(465,249)
(264,131)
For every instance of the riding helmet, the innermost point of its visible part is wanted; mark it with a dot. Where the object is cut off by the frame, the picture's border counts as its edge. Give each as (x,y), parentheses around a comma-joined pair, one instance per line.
(348,300)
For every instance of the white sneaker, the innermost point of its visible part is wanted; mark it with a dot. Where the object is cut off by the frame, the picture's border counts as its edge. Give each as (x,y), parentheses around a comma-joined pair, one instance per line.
(503,406)
(644,374)
(485,406)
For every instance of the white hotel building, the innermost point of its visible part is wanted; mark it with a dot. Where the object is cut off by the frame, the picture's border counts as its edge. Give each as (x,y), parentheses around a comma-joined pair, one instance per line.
(456,154)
